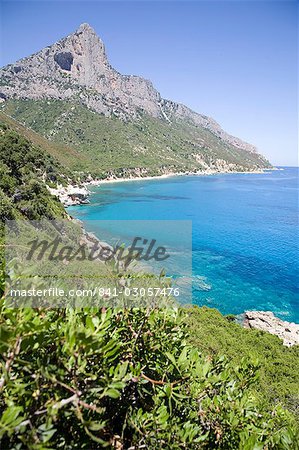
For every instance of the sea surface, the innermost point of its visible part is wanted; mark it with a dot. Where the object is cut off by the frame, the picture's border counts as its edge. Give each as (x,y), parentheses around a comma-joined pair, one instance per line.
(245,242)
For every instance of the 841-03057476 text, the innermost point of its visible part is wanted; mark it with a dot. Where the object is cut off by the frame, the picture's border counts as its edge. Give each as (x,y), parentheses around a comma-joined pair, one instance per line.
(97,291)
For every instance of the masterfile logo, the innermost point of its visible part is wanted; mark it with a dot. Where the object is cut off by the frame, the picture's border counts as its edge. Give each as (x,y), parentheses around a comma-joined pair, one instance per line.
(125,264)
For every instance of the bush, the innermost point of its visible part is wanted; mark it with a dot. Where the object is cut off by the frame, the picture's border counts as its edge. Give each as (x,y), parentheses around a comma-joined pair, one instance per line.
(22,171)
(89,379)
(212,334)
(7,211)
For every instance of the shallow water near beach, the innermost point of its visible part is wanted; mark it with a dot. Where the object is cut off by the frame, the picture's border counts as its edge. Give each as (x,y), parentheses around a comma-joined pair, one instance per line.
(245,233)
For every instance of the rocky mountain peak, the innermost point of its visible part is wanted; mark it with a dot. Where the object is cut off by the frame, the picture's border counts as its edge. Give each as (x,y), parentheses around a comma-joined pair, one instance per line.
(76,68)
(89,42)
(82,56)
(87,33)
(85,28)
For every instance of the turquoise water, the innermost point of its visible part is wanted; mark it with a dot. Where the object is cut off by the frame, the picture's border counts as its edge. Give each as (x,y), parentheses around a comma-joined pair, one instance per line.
(245,233)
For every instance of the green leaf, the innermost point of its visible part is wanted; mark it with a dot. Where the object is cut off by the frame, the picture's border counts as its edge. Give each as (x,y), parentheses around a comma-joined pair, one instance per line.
(113,393)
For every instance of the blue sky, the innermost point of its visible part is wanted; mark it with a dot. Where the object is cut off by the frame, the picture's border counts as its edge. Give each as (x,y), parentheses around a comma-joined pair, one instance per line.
(234,61)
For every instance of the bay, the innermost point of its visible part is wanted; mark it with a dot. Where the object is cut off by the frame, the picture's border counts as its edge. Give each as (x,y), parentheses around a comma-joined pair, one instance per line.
(245,242)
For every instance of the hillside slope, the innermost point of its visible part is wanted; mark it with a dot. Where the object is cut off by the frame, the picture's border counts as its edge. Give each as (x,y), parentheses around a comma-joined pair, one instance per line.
(69,92)
(214,334)
(65,155)
(146,147)
(25,170)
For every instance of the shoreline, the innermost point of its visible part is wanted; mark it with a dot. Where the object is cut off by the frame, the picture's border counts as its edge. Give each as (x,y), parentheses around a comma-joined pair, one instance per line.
(98,182)
(77,194)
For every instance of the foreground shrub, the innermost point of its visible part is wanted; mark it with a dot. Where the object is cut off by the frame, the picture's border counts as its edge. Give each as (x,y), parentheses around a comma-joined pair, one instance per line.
(89,379)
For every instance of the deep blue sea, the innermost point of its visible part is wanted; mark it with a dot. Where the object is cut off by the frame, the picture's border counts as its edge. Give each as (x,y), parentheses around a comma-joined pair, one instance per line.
(245,233)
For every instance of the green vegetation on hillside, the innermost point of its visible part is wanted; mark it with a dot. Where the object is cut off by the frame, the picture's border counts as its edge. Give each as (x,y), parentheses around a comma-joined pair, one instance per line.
(66,156)
(93,378)
(23,168)
(110,145)
(24,171)
(215,335)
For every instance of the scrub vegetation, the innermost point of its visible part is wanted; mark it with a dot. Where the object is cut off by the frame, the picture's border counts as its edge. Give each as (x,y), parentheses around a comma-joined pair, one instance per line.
(130,378)
(108,145)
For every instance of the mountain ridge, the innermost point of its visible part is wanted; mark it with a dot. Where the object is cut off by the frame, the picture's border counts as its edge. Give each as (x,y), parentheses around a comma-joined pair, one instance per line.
(76,69)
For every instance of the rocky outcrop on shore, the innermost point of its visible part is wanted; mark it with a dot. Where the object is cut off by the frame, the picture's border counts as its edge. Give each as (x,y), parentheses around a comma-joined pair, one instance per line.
(71,195)
(78,195)
(266,321)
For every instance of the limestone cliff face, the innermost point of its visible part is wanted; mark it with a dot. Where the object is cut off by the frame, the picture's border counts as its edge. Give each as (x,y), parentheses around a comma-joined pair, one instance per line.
(77,68)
